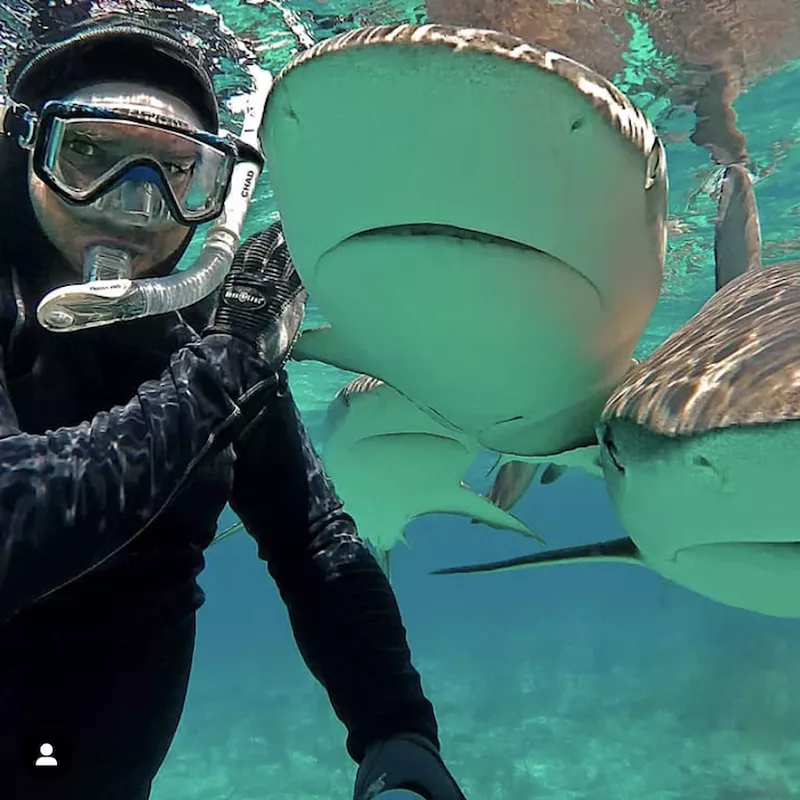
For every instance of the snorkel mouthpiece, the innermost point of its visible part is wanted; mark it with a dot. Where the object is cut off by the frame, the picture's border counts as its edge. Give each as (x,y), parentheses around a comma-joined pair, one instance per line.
(109,297)
(106,263)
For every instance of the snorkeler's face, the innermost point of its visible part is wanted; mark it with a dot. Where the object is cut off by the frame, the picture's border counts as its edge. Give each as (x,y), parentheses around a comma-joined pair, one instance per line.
(72,231)
(131,216)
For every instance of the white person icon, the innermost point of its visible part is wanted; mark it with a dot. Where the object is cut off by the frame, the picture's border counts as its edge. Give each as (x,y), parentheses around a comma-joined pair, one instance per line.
(46,758)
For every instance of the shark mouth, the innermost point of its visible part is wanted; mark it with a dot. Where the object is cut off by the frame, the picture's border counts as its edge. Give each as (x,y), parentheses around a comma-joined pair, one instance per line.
(449,232)
(439,231)
(453,232)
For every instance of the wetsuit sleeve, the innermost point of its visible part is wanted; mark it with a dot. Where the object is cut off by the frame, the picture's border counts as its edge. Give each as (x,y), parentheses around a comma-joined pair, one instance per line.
(343,612)
(71,498)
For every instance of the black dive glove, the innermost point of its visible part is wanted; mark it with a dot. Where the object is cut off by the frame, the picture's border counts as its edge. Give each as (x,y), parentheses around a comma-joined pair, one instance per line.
(262,300)
(405,761)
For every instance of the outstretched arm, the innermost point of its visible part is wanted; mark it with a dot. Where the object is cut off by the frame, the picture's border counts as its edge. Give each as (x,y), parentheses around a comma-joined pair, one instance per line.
(343,612)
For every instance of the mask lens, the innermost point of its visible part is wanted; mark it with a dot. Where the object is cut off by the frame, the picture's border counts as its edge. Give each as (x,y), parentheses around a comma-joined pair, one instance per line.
(84,158)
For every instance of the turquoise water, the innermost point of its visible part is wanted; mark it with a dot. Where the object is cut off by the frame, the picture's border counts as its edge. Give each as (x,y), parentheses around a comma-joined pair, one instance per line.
(595,683)
(579,683)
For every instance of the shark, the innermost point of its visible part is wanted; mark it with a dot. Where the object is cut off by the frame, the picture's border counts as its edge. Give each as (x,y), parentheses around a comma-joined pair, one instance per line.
(391,463)
(699,443)
(481,221)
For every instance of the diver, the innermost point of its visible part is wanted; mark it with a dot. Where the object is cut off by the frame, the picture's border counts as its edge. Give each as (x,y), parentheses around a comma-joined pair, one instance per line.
(136,399)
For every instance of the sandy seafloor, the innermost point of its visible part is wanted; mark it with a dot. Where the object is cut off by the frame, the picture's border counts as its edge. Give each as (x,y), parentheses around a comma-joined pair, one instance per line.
(570,683)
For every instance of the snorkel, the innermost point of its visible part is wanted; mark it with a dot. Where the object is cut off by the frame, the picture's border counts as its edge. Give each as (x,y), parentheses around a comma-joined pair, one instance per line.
(110,295)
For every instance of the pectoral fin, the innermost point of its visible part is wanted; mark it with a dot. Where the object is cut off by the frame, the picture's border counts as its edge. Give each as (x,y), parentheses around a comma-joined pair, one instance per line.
(323,344)
(552,473)
(468,503)
(586,458)
(617,550)
(512,481)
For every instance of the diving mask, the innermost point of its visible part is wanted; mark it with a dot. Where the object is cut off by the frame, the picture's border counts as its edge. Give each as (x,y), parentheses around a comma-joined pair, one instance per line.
(134,163)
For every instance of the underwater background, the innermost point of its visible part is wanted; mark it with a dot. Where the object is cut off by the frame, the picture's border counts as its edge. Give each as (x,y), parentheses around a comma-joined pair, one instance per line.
(574,683)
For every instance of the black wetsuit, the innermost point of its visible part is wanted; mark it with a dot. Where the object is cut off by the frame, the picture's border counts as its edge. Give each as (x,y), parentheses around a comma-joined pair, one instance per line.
(98,661)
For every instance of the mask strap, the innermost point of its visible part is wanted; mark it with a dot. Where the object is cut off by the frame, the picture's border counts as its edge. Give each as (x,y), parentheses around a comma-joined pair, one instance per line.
(18,122)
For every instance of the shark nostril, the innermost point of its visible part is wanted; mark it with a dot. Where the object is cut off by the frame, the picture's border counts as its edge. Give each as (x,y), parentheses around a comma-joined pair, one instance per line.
(611,448)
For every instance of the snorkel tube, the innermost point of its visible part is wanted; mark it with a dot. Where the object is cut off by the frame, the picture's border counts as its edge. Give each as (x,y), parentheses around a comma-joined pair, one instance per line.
(103,302)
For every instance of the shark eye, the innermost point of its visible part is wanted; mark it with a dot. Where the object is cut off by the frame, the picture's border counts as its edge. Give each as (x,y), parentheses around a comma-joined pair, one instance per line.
(611,449)
(653,168)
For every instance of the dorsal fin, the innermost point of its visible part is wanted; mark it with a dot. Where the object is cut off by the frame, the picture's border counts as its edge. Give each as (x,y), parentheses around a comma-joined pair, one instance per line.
(737,235)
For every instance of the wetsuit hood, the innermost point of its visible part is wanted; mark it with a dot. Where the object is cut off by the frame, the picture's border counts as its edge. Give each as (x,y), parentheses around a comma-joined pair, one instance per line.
(116,50)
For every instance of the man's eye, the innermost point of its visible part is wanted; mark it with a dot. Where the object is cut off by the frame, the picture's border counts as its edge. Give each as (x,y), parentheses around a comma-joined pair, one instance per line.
(179,169)
(83,147)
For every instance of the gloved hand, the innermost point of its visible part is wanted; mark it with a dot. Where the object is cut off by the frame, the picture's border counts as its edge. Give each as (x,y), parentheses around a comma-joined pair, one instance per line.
(262,300)
(406,761)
